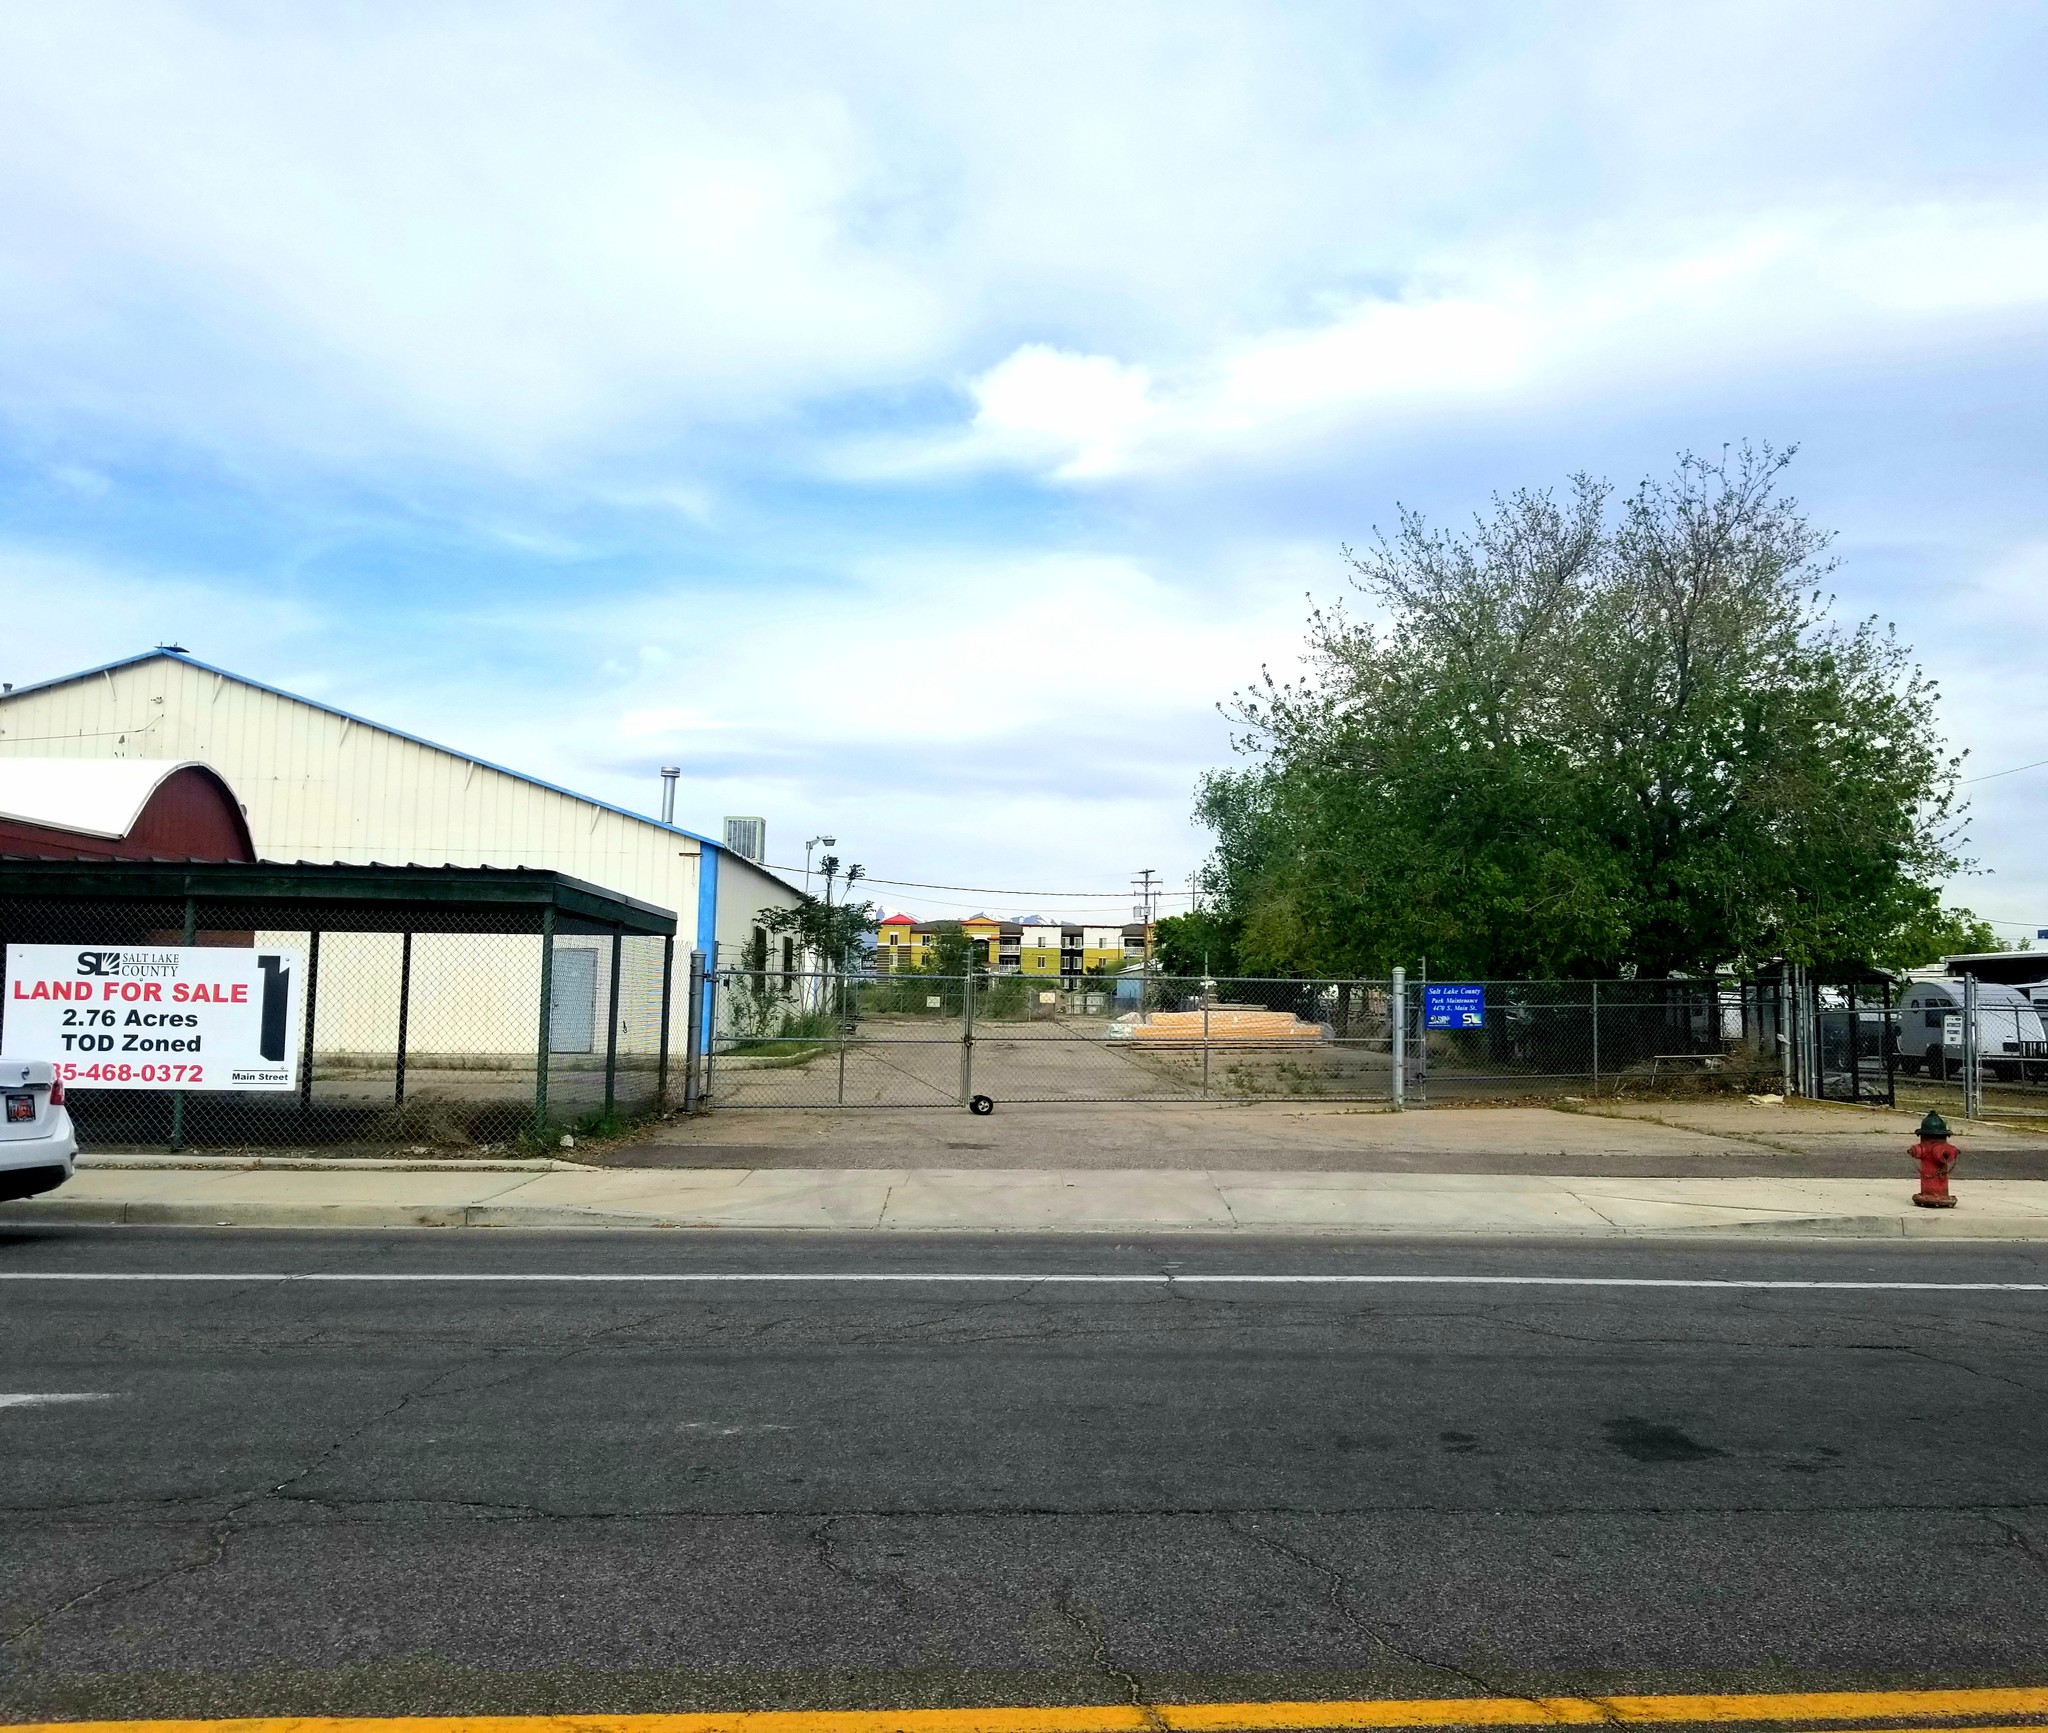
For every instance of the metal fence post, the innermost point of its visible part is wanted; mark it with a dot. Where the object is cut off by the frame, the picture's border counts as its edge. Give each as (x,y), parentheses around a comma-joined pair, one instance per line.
(841,1021)
(693,1031)
(1816,1078)
(312,1011)
(1397,1029)
(178,1095)
(1596,1037)
(668,982)
(1421,1033)
(1889,1035)
(404,1014)
(547,1020)
(1784,1021)
(1855,1047)
(713,981)
(967,1037)
(1205,1044)
(611,1033)
(1973,1070)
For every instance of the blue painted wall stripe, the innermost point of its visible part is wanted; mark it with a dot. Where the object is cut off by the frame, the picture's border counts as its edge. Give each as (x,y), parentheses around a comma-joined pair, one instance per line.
(708,858)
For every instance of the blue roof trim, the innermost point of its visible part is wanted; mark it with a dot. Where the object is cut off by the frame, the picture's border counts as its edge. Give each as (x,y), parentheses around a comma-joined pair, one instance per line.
(364,721)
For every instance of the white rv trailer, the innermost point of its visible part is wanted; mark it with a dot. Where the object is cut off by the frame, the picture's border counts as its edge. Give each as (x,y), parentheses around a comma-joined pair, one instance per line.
(2012,1043)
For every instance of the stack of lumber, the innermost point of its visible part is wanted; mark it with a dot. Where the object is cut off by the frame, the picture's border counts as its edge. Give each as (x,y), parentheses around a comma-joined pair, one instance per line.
(1226,1027)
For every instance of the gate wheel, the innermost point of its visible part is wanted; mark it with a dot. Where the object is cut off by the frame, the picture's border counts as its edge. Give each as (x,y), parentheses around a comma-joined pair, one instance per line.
(981,1104)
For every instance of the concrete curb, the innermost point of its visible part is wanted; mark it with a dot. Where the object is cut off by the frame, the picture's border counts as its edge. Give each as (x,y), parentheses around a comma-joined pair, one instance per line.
(82,1213)
(316,1164)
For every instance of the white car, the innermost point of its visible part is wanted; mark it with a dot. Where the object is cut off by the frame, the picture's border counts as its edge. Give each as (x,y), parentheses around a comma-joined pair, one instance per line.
(38,1152)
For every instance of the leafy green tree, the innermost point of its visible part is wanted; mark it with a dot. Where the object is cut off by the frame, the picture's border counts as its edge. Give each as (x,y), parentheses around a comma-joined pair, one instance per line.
(829,932)
(1590,734)
(952,953)
(1195,944)
(1938,933)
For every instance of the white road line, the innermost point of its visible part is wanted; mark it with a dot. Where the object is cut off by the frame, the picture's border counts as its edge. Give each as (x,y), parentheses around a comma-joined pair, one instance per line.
(37,1399)
(1027,1279)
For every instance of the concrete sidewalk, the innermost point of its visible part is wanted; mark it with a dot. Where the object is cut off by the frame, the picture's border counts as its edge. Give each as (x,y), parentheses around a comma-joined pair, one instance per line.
(990,1200)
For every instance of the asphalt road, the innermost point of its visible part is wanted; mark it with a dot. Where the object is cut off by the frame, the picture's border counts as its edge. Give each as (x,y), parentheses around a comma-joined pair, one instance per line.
(375,1497)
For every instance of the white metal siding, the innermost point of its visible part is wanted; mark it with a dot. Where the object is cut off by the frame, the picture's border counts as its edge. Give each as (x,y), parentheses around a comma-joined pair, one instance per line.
(322,787)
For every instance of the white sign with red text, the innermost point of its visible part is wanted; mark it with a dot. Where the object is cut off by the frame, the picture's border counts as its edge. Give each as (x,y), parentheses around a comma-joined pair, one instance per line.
(155,1016)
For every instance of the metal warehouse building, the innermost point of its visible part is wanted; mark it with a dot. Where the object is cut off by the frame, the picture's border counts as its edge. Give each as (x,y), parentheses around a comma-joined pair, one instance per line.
(321,785)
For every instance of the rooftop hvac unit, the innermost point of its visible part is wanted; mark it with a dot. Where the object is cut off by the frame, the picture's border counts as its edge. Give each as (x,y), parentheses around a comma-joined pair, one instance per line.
(747,837)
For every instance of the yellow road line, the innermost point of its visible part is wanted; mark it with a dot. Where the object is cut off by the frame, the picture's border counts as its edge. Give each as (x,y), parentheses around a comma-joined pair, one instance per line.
(1802,1706)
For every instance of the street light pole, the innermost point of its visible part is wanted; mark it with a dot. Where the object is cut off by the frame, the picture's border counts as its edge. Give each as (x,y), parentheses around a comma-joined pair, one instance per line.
(829,842)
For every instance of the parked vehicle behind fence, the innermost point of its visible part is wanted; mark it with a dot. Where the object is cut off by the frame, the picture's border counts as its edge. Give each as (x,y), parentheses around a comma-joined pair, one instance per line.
(2012,1043)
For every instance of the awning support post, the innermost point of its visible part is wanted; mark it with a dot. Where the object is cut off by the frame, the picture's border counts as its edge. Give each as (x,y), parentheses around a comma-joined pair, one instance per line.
(312,1011)
(404,1012)
(611,1032)
(547,1021)
(668,971)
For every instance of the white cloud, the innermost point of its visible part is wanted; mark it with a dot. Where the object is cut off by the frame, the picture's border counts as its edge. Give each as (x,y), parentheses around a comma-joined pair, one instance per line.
(507,233)
(1772,294)
(1078,411)
(499,229)
(65,613)
(668,722)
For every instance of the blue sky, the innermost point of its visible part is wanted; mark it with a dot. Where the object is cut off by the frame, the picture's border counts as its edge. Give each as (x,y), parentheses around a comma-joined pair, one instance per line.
(913,419)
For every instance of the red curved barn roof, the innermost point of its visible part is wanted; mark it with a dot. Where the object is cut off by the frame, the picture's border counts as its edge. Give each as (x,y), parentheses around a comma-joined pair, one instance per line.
(99,808)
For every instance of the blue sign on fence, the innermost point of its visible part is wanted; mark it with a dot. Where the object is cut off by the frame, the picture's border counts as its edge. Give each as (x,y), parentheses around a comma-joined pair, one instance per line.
(1453,1005)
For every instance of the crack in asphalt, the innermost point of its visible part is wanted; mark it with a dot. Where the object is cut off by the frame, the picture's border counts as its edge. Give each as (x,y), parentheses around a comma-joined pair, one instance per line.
(19,1639)
(1338,1589)
(2017,1536)
(1086,1619)
(1945,1360)
(887,1582)
(513,1510)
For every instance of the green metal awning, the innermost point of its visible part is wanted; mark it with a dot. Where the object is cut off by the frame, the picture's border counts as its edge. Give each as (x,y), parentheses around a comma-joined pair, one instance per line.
(376,896)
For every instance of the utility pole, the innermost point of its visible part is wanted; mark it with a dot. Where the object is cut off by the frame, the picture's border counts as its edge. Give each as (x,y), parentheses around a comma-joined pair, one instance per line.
(1148,891)
(829,866)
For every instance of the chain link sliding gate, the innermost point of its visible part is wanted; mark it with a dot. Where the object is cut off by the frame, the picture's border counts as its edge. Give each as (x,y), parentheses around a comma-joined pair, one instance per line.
(777,1039)
(1955,1046)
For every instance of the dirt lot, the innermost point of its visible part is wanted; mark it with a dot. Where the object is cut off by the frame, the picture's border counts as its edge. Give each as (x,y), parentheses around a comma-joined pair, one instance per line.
(1634,1139)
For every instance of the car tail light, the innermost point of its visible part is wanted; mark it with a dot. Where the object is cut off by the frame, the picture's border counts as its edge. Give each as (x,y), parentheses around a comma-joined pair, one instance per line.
(56,1092)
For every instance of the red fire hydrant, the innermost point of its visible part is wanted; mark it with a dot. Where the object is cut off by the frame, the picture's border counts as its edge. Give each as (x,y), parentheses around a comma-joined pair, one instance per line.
(1936,1155)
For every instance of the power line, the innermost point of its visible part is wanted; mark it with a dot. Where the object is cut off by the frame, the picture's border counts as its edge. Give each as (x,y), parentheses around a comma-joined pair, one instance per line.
(1994,775)
(989,891)
(2009,921)
(1088,914)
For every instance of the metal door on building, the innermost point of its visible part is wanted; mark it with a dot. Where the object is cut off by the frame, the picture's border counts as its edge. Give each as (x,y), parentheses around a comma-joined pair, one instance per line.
(572,1001)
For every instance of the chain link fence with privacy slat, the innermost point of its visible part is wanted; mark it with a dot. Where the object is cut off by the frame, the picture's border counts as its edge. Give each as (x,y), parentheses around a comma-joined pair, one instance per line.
(419,1026)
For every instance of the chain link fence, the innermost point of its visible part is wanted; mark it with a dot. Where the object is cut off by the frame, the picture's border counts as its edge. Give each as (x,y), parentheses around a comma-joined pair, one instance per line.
(1959,1048)
(911,1039)
(428,1036)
